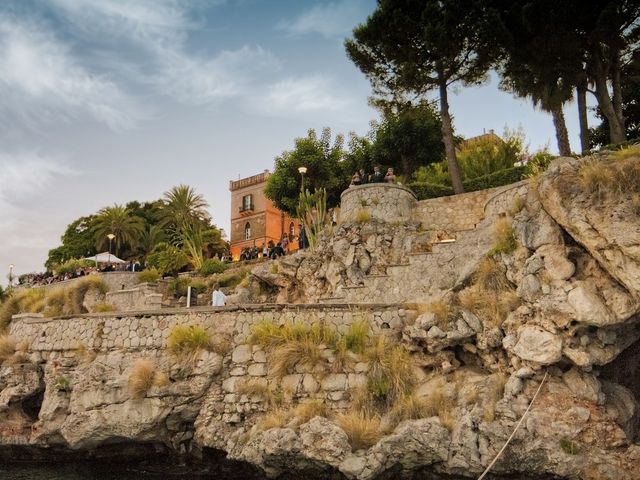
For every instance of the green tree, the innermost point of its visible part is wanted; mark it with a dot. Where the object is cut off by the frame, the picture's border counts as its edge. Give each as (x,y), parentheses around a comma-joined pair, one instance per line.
(119,221)
(78,241)
(184,208)
(408,138)
(325,169)
(410,47)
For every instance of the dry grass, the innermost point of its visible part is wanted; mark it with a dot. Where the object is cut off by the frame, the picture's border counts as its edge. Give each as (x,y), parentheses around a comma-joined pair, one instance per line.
(390,372)
(258,391)
(504,237)
(491,306)
(491,276)
(615,177)
(221,344)
(189,339)
(357,336)
(363,216)
(288,355)
(493,392)
(276,418)
(31,300)
(304,412)
(103,307)
(362,429)
(141,377)
(441,310)
(517,205)
(7,347)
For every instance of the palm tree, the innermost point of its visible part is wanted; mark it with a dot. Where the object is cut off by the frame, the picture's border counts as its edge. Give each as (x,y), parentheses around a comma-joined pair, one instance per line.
(119,221)
(151,237)
(183,208)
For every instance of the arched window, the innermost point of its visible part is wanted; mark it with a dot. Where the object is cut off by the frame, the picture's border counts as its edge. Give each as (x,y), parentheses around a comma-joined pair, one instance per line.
(292,231)
(247,231)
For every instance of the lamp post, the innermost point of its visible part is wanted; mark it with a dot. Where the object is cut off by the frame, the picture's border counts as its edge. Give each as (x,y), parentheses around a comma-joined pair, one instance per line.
(11,275)
(110,236)
(302,171)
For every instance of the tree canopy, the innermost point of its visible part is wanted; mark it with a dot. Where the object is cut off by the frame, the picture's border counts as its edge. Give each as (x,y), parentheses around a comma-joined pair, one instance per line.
(323,160)
(178,222)
(411,47)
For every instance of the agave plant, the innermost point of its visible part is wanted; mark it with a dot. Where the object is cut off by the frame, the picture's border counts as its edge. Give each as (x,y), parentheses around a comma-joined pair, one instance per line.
(312,212)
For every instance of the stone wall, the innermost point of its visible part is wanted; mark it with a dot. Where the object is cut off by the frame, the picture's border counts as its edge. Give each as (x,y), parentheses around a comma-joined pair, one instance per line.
(142,297)
(150,329)
(382,201)
(459,212)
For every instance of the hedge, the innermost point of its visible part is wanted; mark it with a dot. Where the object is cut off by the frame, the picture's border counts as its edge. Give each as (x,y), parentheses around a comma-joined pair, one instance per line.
(425,190)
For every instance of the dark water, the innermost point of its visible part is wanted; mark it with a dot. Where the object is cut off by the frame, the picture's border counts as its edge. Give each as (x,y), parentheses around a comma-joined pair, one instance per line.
(99,472)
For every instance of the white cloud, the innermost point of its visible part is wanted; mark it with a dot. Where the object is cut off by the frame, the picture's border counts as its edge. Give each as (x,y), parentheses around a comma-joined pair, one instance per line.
(301,95)
(335,19)
(159,28)
(40,79)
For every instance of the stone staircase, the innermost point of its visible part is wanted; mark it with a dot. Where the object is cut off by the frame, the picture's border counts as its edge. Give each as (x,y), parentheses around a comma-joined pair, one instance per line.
(410,281)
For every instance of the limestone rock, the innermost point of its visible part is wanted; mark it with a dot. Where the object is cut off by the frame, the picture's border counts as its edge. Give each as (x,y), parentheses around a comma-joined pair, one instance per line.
(538,345)
(583,385)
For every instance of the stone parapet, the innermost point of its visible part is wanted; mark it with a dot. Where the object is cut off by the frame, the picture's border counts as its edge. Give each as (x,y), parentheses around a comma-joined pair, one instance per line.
(385,202)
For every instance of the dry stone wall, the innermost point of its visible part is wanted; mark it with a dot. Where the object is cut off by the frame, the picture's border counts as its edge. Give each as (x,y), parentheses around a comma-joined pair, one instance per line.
(459,212)
(150,329)
(381,201)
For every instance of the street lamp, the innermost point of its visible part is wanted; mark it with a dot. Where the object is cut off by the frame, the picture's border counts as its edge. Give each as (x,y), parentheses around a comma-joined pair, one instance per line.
(11,275)
(302,171)
(110,236)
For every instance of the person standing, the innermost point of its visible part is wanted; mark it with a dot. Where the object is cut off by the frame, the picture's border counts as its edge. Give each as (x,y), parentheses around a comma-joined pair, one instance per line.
(218,299)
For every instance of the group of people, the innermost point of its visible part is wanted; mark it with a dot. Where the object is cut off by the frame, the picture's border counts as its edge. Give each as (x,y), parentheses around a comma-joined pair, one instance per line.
(47,278)
(360,177)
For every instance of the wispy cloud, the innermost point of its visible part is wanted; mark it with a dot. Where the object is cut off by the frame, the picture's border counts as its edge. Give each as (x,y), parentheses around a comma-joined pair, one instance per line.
(40,79)
(301,94)
(159,29)
(335,19)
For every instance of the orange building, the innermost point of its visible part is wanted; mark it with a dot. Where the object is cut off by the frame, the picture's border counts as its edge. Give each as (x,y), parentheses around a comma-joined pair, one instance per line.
(254,219)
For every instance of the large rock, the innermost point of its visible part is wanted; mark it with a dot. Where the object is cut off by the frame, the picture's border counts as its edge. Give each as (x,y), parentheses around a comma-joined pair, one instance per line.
(538,345)
(607,229)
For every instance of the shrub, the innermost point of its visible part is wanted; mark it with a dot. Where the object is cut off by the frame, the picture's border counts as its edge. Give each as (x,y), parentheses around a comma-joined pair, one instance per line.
(198,286)
(211,266)
(30,300)
(505,237)
(178,287)
(277,418)
(167,259)
(103,307)
(441,310)
(7,347)
(55,302)
(184,339)
(141,377)
(362,429)
(424,190)
(491,276)
(232,280)
(632,151)
(75,293)
(149,276)
(391,373)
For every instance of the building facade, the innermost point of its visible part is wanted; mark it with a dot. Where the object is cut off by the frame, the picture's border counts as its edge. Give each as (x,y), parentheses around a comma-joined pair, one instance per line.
(255,221)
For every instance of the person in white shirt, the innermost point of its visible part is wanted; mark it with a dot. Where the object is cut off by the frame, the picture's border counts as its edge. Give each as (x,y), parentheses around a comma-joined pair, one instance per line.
(218,299)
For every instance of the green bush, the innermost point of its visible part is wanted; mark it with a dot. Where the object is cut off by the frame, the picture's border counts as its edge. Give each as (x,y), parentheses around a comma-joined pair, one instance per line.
(198,286)
(149,276)
(497,179)
(178,287)
(211,266)
(232,280)
(167,259)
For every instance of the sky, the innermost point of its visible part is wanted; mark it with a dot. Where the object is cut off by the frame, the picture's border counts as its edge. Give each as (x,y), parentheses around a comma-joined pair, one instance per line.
(107,101)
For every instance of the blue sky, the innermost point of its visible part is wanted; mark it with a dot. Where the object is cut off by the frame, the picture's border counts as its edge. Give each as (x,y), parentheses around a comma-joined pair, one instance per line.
(106,101)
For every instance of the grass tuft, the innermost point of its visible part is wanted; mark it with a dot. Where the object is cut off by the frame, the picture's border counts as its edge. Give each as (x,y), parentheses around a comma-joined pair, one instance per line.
(149,276)
(7,347)
(363,216)
(183,339)
(141,377)
(362,429)
(104,307)
(504,237)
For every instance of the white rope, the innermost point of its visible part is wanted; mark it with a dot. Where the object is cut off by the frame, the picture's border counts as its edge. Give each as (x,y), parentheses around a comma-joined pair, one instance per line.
(515,429)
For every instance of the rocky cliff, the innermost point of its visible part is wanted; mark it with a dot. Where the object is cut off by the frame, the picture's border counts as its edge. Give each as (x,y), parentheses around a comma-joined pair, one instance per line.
(420,352)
